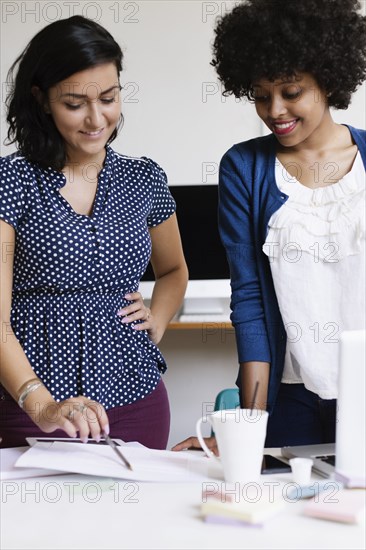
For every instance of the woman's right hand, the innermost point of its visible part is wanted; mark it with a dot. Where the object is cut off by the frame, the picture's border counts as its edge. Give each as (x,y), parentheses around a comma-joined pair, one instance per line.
(193,443)
(75,415)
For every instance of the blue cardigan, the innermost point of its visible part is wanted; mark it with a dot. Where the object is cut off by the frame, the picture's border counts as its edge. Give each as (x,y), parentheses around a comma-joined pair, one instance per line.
(248,196)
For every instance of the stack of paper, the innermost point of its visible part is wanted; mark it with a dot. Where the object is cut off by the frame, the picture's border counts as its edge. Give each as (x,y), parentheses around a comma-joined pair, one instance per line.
(8,458)
(147,464)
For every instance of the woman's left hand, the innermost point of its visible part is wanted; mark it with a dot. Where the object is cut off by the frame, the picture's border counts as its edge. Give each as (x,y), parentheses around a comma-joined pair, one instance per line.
(137,311)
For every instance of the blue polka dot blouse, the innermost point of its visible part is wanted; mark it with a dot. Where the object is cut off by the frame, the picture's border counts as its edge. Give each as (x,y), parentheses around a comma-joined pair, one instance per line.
(71,273)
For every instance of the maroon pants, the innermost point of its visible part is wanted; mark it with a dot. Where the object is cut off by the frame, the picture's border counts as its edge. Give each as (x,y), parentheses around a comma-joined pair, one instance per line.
(146,421)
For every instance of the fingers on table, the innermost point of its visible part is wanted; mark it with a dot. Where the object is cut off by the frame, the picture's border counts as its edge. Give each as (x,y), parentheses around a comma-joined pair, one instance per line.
(193,443)
(187,444)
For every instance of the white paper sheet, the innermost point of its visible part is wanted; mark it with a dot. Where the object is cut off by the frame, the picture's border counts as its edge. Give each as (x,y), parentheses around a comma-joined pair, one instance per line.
(8,458)
(98,460)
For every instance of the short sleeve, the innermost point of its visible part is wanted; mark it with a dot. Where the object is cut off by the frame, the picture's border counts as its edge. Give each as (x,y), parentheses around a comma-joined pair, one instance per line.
(162,204)
(12,190)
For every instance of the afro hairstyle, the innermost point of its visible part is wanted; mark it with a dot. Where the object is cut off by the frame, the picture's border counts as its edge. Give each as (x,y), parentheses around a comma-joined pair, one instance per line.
(275,39)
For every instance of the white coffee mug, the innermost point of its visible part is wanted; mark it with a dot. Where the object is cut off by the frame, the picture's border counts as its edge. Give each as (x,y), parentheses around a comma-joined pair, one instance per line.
(240,436)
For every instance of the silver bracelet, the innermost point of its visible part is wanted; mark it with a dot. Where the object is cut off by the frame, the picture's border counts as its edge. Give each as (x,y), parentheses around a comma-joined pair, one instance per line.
(31,387)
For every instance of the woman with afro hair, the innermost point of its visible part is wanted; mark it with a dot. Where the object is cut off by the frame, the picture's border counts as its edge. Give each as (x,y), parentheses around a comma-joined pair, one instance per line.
(292,207)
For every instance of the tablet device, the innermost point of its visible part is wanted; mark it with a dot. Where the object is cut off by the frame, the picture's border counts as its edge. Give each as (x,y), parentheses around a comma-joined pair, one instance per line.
(33,440)
(273,465)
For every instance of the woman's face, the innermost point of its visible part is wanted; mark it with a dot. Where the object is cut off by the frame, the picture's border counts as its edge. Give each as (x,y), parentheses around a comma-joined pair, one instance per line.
(292,109)
(86,109)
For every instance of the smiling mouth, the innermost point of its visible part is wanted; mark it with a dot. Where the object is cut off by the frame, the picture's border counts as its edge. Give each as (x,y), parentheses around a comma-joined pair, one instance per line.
(93,134)
(284,127)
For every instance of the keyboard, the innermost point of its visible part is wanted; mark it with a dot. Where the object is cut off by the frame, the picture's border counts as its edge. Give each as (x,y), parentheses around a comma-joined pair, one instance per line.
(204,318)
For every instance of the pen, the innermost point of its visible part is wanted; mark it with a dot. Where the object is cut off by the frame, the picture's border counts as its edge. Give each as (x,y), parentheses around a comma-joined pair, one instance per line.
(117,450)
(254,397)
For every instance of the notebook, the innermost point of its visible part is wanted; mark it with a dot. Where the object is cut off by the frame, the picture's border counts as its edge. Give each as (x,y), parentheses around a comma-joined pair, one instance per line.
(345,459)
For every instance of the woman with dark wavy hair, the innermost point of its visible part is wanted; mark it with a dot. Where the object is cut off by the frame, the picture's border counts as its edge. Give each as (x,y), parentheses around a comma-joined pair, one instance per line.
(79,223)
(292,206)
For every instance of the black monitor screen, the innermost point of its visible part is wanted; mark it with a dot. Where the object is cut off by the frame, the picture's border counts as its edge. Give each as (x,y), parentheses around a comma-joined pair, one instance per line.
(197,218)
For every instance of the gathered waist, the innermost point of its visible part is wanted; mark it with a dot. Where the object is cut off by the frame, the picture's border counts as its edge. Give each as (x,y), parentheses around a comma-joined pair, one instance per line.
(74,296)
(90,291)
(79,339)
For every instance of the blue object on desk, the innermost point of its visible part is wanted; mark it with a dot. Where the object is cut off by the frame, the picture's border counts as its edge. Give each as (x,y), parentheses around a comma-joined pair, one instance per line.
(315,488)
(226,399)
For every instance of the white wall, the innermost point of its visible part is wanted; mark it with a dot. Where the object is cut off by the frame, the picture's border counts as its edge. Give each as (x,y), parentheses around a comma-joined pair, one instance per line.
(174,113)
(201,363)
(173,108)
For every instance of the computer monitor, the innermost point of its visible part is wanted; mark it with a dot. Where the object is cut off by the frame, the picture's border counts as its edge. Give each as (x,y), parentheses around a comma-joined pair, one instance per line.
(208,289)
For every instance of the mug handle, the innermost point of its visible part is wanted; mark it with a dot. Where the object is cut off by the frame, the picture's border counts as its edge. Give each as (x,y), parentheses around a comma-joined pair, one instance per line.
(208,452)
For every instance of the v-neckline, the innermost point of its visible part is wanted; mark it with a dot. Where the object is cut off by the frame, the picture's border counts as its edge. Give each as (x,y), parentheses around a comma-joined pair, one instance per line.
(61,181)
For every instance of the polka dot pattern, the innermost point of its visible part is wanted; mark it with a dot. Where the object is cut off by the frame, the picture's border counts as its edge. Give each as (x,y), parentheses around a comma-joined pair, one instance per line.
(71,273)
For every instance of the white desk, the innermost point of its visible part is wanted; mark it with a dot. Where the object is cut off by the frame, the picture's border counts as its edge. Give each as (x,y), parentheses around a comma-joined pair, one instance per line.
(79,512)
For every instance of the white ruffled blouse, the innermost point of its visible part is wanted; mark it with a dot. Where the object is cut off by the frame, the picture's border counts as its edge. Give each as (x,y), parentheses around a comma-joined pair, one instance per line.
(316,249)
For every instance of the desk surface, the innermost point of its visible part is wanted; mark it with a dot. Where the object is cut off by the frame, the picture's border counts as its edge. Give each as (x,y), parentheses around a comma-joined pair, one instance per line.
(80,512)
(204,325)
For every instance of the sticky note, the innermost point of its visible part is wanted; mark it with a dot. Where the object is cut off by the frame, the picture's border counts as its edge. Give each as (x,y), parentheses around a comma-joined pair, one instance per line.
(346,506)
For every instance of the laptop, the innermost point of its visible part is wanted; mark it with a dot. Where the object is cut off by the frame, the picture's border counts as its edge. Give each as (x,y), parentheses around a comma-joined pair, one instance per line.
(344,460)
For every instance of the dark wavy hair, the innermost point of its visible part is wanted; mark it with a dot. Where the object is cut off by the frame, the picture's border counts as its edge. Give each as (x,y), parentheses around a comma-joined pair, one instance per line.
(279,38)
(59,50)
